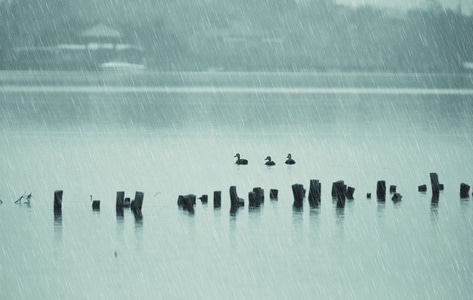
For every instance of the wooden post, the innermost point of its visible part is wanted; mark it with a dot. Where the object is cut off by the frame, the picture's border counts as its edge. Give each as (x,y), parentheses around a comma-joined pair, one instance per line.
(334,192)
(368,195)
(120,200)
(381,190)
(234,200)
(273,194)
(259,194)
(217,199)
(396,197)
(127,202)
(252,201)
(314,192)
(204,199)
(137,204)
(96,205)
(422,188)
(298,193)
(464,190)
(392,189)
(340,190)
(58,201)
(434,180)
(187,202)
(349,193)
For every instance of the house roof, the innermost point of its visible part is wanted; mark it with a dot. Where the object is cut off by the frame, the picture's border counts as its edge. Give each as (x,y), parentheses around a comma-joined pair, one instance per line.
(101,30)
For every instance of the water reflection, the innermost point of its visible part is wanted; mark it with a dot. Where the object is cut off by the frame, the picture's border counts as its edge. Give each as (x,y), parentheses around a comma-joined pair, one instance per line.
(434,213)
(297,225)
(339,215)
(380,209)
(58,226)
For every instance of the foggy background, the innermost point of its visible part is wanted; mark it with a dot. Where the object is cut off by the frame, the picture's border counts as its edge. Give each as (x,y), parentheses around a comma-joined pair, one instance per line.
(374,35)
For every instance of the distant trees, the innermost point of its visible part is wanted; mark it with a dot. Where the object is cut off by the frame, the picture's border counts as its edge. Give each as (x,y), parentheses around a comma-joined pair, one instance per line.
(284,33)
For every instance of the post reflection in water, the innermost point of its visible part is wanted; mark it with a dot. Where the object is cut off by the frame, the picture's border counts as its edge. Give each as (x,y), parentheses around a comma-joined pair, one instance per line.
(434,205)
(58,226)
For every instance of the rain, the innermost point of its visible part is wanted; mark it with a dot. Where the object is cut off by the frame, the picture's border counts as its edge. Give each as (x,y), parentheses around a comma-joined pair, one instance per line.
(133,138)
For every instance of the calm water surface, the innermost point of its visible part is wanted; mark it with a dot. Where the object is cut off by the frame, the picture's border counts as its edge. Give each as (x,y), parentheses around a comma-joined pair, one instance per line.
(90,142)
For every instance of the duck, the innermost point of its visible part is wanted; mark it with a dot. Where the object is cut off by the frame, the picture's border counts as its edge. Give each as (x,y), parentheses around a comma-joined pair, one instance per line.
(240,161)
(269,161)
(289,160)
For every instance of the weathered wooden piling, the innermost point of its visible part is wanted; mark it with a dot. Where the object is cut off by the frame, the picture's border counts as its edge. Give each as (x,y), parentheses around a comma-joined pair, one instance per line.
(381,190)
(120,200)
(259,193)
(137,204)
(368,195)
(464,190)
(392,189)
(204,199)
(434,180)
(127,202)
(96,204)
(187,202)
(235,202)
(252,201)
(314,192)
(273,194)
(349,192)
(298,193)
(58,201)
(396,197)
(340,191)
(422,188)
(217,199)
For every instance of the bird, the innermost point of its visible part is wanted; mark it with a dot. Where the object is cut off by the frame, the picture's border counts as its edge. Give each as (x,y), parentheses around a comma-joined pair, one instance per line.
(289,160)
(240,161)
(269,161)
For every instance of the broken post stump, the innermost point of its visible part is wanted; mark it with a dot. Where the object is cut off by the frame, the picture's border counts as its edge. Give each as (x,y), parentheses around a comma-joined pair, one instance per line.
(58,201)
(273,194)
(434,180)
(137,204)
(368,195)
(96,205)
(298,193)
(217,199)
(396,197)
(381,190)
(422,188)
(120,200)
(235,202)
(340,191)
(314,192)
(187,202)
(259,193)
(464,190)
(204,199)
(252,201)
(392,189)
(349,192)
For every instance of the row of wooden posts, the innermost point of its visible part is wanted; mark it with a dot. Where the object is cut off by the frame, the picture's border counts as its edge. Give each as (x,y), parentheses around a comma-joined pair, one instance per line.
(340,191)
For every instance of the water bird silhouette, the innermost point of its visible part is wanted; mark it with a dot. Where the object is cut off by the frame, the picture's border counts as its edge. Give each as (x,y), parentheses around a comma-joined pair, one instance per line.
(269,161)
(289,160)
(240,161)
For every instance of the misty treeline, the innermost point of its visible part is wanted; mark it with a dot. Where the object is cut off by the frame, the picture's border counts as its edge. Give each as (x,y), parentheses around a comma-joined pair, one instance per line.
(251,35)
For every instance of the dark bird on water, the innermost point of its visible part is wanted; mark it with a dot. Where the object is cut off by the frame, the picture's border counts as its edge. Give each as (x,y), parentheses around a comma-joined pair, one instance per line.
(240,161)
(269,161)
(289,160)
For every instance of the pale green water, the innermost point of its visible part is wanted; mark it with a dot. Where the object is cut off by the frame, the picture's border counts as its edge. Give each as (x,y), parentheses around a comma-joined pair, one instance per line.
(90,141)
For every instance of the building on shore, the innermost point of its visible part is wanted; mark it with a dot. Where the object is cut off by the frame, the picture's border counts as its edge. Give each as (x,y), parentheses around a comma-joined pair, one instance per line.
(93,48)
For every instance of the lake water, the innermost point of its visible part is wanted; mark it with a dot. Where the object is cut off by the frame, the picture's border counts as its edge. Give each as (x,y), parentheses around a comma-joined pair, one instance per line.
(170,134)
